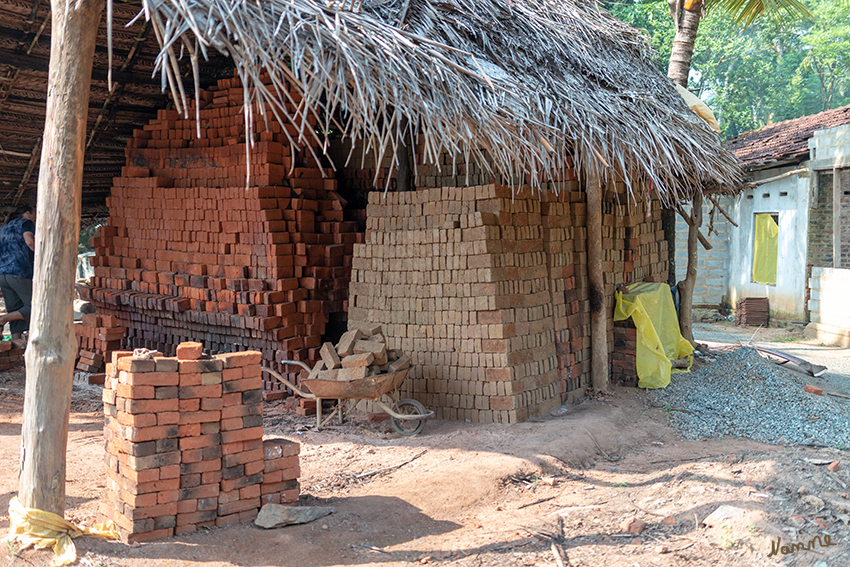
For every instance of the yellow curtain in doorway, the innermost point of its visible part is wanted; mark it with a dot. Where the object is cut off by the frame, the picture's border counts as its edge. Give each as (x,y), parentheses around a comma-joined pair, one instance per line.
(764,252)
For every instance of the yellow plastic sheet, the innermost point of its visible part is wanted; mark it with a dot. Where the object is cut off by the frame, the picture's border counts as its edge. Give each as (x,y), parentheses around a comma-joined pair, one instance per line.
(659,341)
(40,529)
(699,107)
(764,253)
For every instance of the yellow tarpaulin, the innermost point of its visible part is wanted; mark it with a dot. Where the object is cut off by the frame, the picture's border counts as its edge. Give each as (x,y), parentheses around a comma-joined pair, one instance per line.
(659,341)
(699,107)
(40,529)
(764,251)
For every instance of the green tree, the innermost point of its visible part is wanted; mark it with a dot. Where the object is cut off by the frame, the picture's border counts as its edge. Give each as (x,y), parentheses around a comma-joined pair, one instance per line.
(828,46)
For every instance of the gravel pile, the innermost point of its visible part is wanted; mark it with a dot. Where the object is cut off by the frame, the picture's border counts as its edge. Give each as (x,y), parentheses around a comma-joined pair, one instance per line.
(744,395)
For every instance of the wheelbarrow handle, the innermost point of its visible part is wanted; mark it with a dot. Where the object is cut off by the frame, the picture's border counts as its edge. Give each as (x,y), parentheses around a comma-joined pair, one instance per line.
(289,384)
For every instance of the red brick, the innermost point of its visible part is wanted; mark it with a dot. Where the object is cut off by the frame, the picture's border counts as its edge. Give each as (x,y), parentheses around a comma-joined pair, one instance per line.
(212,391)
(150,378)
(190,379)
(248,492)
(211,404)
(190,430)
(170,472)
(187,506)
(243,385)
(190,405)
(238,359)
(813,390)
(272,465)
(135,392)
(137,420)
(189,351)
(140,434)
(289,496)
(241,411)
(234,459)
(229,520)
(270,498)
(188,528)
(150,406)
(150,536)
(230,374)
(254,467)
(134,365)
(230,448)
(211,477)
(238,506)
(167,496)
(168,418)
(200,417)
(199,442)
(243,435)
(195,517)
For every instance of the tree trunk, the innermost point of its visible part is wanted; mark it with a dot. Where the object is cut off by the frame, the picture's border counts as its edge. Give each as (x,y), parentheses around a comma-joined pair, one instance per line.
(596,281)
(683,47)
(686,287)
(51,350)
(677,69)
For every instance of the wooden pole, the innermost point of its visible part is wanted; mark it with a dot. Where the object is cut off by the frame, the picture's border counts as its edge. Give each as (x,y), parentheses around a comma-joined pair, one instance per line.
(596,281)
(51,349)
(686,286)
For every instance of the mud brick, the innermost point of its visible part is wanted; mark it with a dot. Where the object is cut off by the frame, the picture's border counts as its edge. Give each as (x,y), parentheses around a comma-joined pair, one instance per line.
(345,346)
(238,506)
(211,404)
(234,459)
(240,359)
(166,364)
(189,351)
(242,435)
(229,473)
(139,434)
(367,329)
(118,355)
(269,488)
(208,503)
(243,385)
(203,366)
(149,379)
(202,491)
(211,454)
(277,448)
(145,537)
(200,442)
(249,492)
(187,529)
(354,360)
(164,522)
(254,467)
(153,461)
(200,417)
(210,378)
(329,356)
(252,421)
(211,477)
(212,391)
(150,511)
(150,406)
(186,506)
(190,379)
(281,463)
(252,397)
(273,498)
(402,363)
(189,405)
(143,525)
(200,466)
(196,517)
(136,365)
(166,392)
(227,497)
(229,520)
(167,445)
(305,410)
(241,482)
(190,480)
(138,421)
(135,392)
(210,428)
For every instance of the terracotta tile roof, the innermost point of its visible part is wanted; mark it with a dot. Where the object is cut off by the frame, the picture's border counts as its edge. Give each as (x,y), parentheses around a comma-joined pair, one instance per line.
(784,141)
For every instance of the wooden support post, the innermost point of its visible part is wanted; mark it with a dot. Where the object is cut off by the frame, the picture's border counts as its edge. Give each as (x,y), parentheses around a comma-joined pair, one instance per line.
(51,350)
(596,280)
(686,286)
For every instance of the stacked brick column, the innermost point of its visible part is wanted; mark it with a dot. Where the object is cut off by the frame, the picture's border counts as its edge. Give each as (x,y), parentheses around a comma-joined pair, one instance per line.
(184,444)
(190,253)
(10,357)
(97,338)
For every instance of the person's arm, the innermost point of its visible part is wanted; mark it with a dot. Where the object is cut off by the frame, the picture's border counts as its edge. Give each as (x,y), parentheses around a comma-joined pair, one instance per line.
(29,238)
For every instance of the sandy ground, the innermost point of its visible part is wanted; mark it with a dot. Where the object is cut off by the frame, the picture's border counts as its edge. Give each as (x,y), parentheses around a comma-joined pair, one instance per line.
(479,495)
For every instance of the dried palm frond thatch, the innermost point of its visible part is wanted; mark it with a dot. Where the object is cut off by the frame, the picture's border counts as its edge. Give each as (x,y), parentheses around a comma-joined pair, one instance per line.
(517,86)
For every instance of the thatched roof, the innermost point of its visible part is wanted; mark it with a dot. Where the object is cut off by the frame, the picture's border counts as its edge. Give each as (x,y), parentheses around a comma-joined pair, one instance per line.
(531,82)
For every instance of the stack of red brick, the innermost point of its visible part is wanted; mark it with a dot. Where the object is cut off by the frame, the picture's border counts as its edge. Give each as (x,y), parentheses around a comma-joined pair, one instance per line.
(623,369)
(185,444)
(97,338)
(190,252)
(10,357)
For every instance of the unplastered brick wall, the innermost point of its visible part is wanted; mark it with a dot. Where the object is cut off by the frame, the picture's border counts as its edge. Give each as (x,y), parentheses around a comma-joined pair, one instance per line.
(487,289)
(10,357)
(184,444)
(189,252)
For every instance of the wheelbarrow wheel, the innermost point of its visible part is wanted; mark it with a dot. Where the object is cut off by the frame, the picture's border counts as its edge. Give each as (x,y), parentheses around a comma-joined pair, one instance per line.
(408,427)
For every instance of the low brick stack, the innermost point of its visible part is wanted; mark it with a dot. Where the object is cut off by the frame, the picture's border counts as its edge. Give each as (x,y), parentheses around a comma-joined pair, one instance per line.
(188,252)
(10,357)
(623,357)
(184,444)
(97,338)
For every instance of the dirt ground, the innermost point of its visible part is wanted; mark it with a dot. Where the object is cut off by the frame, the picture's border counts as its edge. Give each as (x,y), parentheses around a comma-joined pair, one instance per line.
(492,495)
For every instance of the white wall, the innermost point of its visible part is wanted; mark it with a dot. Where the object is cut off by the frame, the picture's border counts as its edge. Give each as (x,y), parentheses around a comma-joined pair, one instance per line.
(830,305)
(712,281)
(789,198)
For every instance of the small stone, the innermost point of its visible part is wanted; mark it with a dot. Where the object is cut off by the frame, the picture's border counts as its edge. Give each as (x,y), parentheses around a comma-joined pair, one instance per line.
(722,513)
(662,549)
(813,390)
(821,523)
(812,501)
(669,521)
(633,526)
(833,466)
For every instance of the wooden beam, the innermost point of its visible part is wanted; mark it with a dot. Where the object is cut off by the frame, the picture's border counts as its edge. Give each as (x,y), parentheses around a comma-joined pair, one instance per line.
(776,178)
(686,286)
(51,350)
(722,212)
(596,281)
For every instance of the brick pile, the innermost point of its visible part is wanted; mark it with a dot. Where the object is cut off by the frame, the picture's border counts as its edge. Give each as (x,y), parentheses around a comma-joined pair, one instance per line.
(10,357)
(97,338)
(488,290)
(623,357)
(753,311)
(361,352)
(185,444)
(189,252)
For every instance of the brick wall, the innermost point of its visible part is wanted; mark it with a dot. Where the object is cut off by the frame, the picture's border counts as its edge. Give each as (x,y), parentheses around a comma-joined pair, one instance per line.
(190,253)
(712,280)
(184,444)
(488,291)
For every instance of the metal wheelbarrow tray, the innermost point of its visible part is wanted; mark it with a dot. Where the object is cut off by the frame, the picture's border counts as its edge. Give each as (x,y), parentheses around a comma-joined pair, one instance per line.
(407,416)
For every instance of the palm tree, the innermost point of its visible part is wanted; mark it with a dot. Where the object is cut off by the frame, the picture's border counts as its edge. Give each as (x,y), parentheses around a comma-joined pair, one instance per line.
(687,15)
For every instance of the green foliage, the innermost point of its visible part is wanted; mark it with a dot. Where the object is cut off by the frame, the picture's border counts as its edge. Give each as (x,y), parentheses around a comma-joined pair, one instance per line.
(776,68)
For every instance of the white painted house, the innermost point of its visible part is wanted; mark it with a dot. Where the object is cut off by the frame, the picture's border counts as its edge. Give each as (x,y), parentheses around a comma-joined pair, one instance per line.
(796,218)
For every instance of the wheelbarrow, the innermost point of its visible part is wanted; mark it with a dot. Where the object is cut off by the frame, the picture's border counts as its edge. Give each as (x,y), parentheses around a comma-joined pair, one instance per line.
(407,416)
